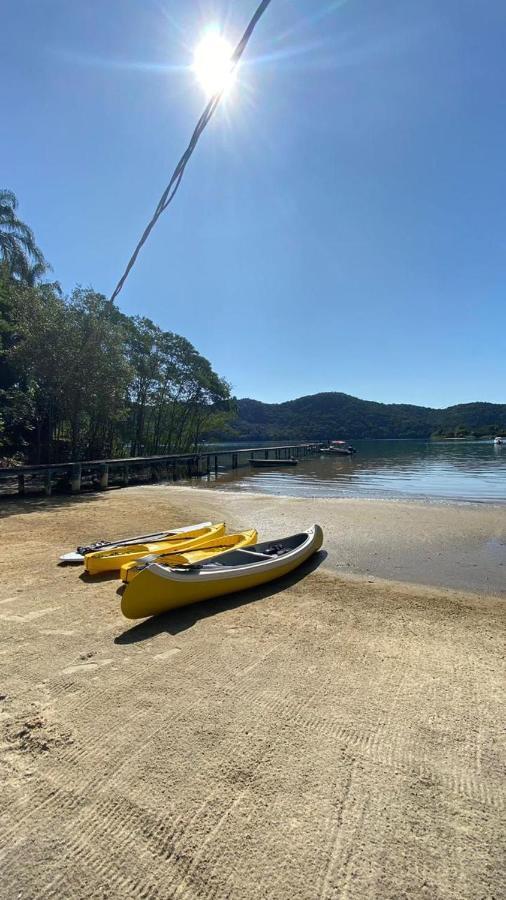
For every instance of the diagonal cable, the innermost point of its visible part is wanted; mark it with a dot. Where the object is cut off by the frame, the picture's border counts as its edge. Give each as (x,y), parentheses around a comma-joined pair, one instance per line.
(173,185)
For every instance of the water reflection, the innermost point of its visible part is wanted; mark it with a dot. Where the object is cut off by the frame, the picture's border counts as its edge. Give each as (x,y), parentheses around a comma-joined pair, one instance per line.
(451,470)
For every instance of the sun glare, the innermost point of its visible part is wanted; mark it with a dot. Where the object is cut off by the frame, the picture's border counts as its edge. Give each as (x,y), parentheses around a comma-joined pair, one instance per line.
(212,63)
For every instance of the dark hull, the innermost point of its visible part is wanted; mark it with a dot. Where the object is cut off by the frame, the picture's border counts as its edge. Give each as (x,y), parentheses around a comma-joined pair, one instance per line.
(330,452)
(263,463)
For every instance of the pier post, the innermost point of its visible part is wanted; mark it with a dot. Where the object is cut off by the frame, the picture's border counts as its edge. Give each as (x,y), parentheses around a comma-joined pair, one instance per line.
(216,465)
(21,483)
(125,475)
(47,483)
(75,479)
(104,477)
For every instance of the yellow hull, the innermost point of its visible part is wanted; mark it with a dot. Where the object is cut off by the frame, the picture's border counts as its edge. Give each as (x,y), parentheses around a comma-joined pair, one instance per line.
(114,558)
(190,557)
(150,594)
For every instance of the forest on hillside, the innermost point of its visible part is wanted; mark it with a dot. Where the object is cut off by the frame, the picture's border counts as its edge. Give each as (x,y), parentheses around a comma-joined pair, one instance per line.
(330,416)
(81,380)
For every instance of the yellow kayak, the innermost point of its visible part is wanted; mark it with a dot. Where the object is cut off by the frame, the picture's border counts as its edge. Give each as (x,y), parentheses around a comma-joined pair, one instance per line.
(77,556)
(112,558)
(189,557)
(160,588)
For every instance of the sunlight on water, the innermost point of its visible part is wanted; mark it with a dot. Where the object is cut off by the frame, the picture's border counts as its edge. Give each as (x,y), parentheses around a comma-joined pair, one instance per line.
(470,471)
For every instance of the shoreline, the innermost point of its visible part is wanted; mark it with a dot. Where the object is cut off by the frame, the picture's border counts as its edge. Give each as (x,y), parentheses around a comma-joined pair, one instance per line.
(457,545)
(452,546)
(366,498)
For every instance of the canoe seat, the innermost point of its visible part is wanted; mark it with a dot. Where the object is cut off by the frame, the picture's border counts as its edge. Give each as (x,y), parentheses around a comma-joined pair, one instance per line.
(237,557)
(189,568)
(275,550)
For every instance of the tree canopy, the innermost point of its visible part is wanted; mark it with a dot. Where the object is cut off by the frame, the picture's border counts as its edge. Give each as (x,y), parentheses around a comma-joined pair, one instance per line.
(81,380)
(18,250)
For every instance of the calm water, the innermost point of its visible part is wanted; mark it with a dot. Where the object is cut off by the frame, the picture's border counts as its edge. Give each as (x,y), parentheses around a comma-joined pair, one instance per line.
(450,470)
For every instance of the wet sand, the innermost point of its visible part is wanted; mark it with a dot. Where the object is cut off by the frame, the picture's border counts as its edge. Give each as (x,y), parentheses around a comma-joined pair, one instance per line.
(322,737)
(444,545)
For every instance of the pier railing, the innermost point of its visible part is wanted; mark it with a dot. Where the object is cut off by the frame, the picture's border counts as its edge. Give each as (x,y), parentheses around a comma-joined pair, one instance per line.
(103,473)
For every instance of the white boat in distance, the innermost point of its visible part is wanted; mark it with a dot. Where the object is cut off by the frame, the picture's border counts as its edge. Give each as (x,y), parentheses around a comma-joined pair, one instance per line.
(338,448)
(499,441)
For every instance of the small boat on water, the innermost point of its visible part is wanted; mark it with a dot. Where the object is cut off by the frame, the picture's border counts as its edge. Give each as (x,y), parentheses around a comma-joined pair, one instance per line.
(499,441)
(338,448)
(77,556)
(112,558)
(265,463)
(160,588)
(190,557)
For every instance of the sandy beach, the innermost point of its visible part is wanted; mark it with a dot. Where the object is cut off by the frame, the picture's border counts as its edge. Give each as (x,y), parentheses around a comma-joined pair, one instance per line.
(339,734)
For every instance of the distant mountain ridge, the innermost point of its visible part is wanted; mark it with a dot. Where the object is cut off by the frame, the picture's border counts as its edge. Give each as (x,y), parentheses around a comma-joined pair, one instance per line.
(336,415)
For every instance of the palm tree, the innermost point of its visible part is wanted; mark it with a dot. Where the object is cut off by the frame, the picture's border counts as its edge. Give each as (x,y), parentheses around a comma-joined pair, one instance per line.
(17,243)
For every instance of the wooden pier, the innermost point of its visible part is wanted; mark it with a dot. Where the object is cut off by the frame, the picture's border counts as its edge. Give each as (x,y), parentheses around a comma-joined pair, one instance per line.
(104,473)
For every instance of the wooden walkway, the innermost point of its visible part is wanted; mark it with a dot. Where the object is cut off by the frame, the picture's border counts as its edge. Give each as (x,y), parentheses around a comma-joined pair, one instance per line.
(103,473)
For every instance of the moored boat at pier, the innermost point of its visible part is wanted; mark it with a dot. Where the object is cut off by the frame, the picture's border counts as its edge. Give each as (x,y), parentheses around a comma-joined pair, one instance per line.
(338,448)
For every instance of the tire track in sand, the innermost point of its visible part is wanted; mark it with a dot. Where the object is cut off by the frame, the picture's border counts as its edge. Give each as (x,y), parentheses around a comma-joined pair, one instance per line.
(387,751)
(59,800)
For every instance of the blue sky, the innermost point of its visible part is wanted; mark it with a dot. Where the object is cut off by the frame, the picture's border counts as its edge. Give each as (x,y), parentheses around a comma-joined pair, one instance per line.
(342,224)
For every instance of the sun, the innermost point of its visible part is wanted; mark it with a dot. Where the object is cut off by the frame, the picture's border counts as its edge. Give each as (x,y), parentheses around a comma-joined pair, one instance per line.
(212,63)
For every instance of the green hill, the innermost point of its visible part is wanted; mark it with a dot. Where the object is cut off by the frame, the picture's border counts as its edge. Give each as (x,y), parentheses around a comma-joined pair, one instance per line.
(334,415)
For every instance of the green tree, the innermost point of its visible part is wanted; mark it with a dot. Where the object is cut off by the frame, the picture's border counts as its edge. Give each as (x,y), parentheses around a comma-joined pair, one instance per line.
(142,347)
(17,243)
(72,354)
(15,400)
(173,391)
(79,379)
